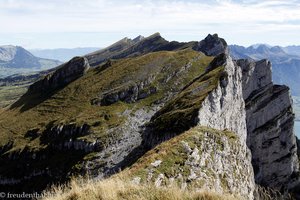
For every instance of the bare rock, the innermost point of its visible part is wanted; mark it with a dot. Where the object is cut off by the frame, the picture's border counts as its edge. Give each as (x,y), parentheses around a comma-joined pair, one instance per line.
(64,75)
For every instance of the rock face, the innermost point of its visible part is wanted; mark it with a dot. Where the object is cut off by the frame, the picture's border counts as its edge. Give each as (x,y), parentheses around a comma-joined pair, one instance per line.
(224,106)
(270,122)
(224,109)
(65,74)
(212,45)
(62,143)
(128,94)
(205,158)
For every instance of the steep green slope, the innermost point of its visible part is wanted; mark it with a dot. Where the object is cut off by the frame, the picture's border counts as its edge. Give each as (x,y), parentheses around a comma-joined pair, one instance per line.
(73,103)
(122,49)
(60,128)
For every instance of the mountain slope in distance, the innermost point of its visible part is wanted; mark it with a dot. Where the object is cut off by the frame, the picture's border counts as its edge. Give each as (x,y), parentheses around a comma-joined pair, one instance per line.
(15,59)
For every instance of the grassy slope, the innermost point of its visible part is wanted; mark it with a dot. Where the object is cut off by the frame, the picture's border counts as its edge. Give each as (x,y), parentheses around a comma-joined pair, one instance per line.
(9,94)
(72,103)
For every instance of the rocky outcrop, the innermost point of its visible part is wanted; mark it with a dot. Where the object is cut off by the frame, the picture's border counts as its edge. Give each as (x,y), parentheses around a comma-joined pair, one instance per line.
(224,107)
(65,74)
(203,158)
(212,45)
(128,93)
(270,122)
(66,137)
(62,154)
(220,107)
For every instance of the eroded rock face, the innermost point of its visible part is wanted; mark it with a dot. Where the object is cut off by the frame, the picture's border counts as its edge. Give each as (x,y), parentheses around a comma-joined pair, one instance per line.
(63,148)
(127,93)
(224,106)
(270,122)
(206,158)
(212,45)
(67,73)
(224,109)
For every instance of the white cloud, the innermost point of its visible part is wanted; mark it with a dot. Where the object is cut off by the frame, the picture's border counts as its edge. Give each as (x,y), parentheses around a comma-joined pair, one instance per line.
(167,16)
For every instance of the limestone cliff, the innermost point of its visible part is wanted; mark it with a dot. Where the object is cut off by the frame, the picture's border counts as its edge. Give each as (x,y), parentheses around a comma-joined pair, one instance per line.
(224,108)
(270,122)
(220,106)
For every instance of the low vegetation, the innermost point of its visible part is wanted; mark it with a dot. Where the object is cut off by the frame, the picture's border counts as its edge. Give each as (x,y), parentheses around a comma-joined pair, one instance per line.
(23,126)
(118,187)
(72,104)
(9,94)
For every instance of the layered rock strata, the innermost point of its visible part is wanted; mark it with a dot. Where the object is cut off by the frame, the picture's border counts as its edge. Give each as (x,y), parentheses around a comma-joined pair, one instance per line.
(270,122)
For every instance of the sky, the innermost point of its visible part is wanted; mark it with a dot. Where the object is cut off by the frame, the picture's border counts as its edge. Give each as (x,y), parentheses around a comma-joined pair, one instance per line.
(99,23)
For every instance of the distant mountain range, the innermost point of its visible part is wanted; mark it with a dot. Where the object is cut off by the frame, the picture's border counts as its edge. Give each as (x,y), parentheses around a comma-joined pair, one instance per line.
(62,54)
(285,62)
(293,50)
(17,60)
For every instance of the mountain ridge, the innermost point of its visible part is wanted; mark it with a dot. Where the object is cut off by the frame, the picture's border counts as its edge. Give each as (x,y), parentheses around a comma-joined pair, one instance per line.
(106,111)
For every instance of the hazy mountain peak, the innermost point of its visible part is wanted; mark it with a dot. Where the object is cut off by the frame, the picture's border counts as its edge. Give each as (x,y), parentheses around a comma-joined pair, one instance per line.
(7,52)
(277,49)
(255,46)
(17,60)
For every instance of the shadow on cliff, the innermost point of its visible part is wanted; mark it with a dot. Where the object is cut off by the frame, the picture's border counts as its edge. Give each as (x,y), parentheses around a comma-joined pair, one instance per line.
(151,137)
(33,170)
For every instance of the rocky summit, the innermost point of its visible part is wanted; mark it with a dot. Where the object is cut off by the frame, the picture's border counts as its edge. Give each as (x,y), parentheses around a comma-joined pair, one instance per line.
(158,112)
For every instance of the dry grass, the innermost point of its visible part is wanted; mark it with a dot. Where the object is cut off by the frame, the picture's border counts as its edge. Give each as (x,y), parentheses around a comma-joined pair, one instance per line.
(121,188)
(263,193)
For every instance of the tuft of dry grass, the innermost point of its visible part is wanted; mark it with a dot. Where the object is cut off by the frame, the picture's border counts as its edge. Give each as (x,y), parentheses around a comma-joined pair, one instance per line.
(264,193)
(119,187)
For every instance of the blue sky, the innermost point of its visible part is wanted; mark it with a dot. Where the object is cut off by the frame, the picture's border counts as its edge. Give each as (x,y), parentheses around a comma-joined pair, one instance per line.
(98,23)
